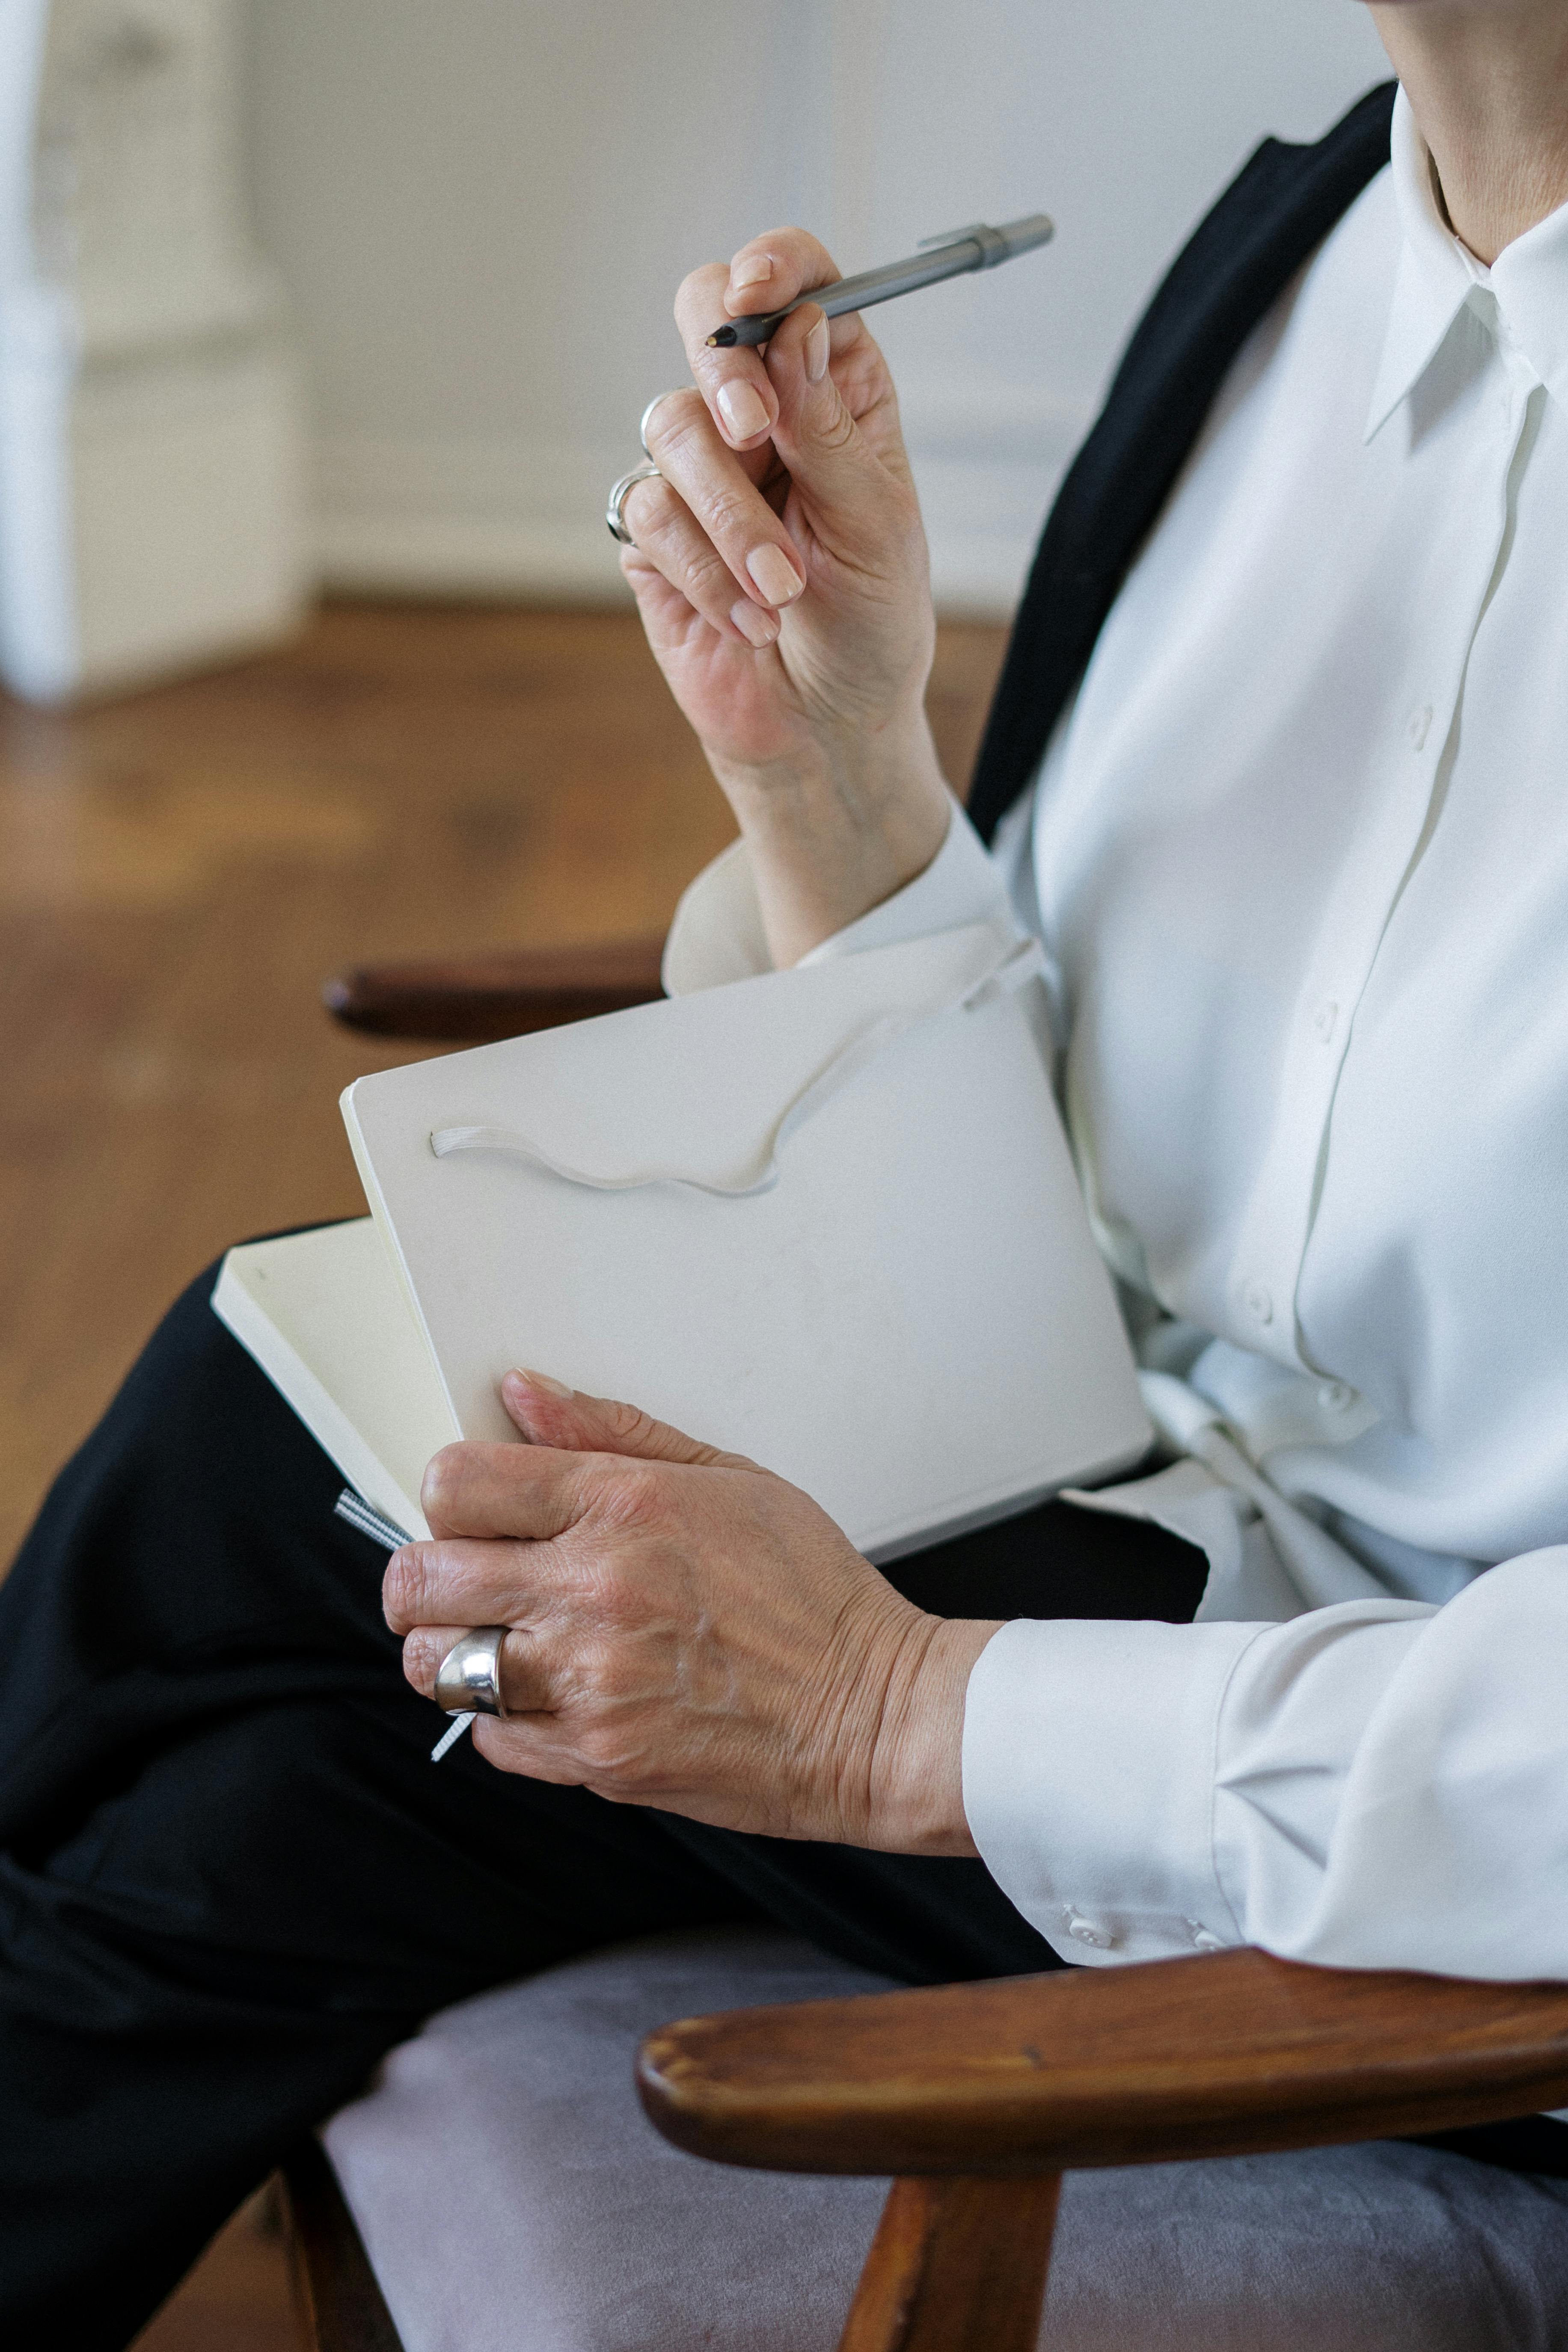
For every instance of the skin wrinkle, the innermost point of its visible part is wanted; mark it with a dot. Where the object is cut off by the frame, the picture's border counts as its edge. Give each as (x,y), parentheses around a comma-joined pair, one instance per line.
(1489,88)
(641,1626)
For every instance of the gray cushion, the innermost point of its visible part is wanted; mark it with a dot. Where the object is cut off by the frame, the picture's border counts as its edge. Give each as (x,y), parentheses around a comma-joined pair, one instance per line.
(513,2198)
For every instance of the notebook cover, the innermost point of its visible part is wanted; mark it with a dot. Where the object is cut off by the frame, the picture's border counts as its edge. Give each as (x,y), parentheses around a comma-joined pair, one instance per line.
(912,1323)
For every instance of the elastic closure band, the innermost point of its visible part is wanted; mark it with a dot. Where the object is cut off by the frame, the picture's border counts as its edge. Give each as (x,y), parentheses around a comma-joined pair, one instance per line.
(760,1172)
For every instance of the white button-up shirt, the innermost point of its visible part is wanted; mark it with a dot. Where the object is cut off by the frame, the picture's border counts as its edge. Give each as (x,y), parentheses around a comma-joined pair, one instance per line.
(1299,857)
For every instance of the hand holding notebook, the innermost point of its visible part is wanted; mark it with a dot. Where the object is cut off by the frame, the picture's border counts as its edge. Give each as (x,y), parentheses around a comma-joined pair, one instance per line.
(826,1219)
(692,1632)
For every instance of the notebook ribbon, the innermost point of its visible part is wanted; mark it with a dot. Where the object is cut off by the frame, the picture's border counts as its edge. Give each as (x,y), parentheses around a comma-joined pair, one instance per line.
(1016,965)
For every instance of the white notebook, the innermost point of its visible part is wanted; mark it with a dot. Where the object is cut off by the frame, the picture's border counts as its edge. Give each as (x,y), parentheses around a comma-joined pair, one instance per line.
(826,1217)
(325,1317)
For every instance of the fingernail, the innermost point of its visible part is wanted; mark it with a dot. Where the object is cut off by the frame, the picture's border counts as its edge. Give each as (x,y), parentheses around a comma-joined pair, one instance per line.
(774,574)
(757,627)
(755,267)
(741,406)
(818,350)
(543,1381)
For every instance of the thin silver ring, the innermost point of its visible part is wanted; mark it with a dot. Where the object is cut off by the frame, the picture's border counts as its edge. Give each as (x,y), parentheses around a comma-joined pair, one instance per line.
(647,412)
(468,1680)
(616,500)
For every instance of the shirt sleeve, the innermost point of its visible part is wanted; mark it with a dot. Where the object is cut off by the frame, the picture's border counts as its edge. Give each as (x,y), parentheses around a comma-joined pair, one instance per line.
(717,934)
(1379,1784)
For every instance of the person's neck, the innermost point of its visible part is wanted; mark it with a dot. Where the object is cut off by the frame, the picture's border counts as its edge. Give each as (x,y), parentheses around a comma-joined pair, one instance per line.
(1488,83)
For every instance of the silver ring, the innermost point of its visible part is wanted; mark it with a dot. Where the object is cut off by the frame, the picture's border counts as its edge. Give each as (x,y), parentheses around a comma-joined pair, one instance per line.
(468,1682)
(647,412)
(617,498)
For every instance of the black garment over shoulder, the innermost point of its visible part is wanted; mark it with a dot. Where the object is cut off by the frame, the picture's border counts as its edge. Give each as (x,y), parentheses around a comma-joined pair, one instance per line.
(1237,264)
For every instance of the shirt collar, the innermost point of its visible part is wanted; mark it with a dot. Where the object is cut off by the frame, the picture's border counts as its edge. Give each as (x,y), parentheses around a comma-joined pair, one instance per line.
(1523,298)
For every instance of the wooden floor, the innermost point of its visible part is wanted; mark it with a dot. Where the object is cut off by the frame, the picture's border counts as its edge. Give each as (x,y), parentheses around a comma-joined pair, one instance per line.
(178,873)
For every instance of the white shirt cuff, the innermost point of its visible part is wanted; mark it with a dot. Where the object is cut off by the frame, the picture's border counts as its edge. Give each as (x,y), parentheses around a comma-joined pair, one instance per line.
(1088,1781)
(717,935)
(961,886)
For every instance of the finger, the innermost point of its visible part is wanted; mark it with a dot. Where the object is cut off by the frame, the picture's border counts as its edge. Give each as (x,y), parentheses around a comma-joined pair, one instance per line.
(671,625)
(543,1745)
(486,1491)
(463,1581)
(776,267)
(509,1515)
(767,273)
(666,532)
(716,493)
(467,1581)
(550,1413)
(531,1746)
(734,383)
(854,492)
(523,1680)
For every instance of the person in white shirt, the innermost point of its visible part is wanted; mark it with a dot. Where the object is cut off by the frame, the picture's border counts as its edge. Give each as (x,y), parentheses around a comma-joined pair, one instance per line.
(1299,854)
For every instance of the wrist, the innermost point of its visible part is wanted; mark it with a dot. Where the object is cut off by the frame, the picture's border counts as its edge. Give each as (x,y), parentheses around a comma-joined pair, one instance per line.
(838,828)
(915,1779)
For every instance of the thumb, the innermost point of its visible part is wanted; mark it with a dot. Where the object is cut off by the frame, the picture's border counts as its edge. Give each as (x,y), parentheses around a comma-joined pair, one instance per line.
(550,1413)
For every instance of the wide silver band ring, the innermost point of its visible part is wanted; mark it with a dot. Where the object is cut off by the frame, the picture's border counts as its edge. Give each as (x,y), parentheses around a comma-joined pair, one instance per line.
(647,412)
(468,1682)
(617,500)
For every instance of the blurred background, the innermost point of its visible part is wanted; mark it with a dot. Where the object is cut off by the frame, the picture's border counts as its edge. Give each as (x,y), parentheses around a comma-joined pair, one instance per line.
(324,326)
(480,212)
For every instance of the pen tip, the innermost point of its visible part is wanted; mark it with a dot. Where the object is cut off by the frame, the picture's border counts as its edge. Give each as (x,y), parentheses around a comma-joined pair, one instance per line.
(720,339)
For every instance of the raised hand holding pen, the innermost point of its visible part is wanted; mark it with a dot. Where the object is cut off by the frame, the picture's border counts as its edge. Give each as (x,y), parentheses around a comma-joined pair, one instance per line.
(780,568)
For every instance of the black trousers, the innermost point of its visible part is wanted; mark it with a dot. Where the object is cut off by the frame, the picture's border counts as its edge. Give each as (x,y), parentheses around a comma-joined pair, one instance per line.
(230,1878)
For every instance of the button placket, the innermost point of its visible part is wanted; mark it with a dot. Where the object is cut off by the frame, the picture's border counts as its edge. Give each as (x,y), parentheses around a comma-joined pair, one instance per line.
(1272,1246)
(1408,806)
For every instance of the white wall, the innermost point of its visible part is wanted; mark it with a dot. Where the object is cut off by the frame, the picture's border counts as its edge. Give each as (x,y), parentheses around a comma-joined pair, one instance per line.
(481,208)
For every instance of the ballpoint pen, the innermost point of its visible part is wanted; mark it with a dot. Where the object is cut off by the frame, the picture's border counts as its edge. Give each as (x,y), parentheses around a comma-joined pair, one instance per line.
(978,247)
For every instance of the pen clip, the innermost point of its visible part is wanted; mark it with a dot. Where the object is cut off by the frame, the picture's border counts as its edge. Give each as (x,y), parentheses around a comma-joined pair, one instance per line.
(993,245)
(975,230)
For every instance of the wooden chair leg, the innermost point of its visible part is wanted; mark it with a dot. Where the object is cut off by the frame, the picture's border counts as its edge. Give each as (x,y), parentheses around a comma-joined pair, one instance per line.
(336,2298)
(958,2264)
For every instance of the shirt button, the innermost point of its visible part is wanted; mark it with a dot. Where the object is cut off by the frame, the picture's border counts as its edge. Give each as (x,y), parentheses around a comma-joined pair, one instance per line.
(1417,725)
(1335,1395)
(1085,1931)
(1324,1018)
(1258,1301)
(1204,1939)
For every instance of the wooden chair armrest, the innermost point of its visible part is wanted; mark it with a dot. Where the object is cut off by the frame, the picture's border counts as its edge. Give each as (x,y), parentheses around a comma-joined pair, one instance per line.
(502,994)
(1222,2054)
